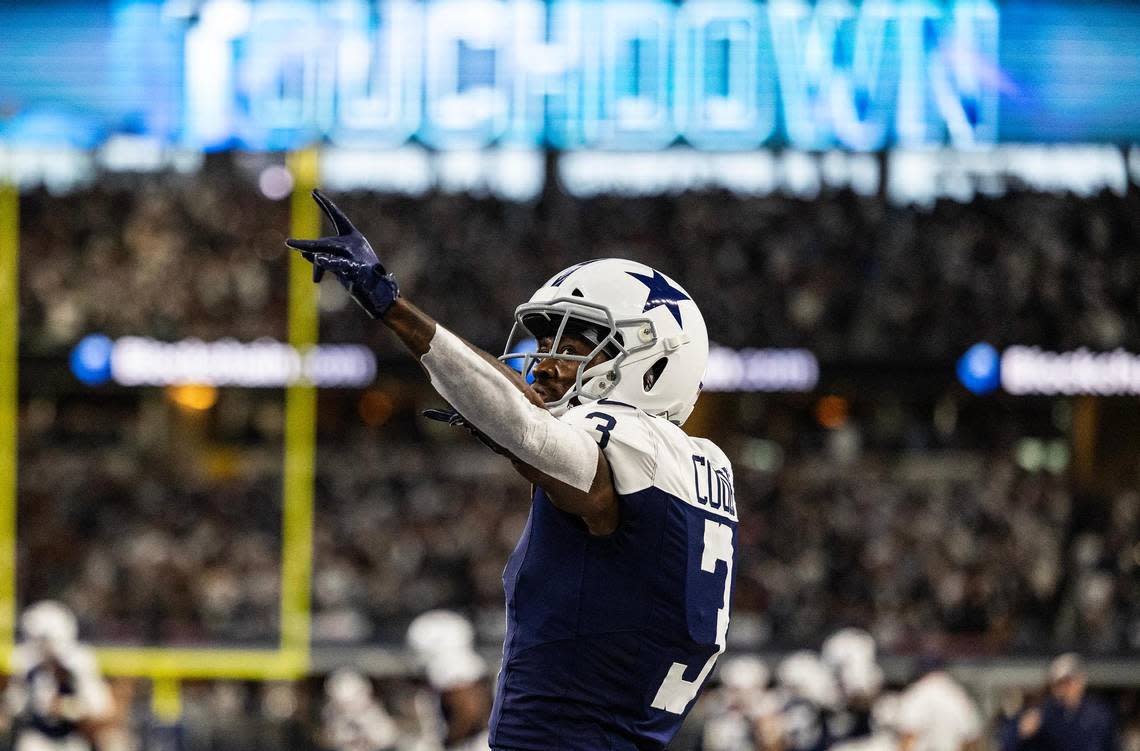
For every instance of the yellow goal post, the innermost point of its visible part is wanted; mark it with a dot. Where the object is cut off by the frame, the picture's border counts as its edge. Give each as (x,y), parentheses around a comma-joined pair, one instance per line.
(166,667)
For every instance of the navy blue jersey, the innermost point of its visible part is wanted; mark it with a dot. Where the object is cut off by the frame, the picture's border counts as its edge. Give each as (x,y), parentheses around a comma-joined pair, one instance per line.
(805,726)
(48,682)
(609,639)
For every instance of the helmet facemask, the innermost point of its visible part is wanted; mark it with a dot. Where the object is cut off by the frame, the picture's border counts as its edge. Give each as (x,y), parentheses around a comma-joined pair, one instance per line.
(565,316)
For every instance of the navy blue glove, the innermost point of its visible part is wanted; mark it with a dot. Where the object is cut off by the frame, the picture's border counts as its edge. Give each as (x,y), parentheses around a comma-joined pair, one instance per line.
(351,260)
(453,418)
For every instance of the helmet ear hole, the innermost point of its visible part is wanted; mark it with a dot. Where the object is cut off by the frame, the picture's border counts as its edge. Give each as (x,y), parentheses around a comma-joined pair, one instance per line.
(654,374)
(576,293)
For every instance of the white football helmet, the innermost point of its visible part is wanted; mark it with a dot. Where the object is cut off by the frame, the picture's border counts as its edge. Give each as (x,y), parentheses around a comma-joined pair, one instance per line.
(647,323)
(439,631)
(744,673)
(455,668)
(846,646)
(804,675)
(50,625)
(349,689)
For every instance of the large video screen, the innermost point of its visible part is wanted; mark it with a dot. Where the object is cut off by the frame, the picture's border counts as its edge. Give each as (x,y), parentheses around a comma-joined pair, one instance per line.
(570,74)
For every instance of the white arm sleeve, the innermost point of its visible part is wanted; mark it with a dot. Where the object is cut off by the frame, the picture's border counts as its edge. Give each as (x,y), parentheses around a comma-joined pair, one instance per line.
(488,400)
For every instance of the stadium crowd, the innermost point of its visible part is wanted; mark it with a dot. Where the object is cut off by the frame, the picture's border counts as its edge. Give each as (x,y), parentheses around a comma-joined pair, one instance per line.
(155,539)
(849,277)
(161,526)
(904,544)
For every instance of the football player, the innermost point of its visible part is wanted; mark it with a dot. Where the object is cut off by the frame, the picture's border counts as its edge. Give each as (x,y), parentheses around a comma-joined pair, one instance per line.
(56,693)
(618,591)
(812,695)
(851,655)
(731,720)
(456,710)
(353,719)
(936,714)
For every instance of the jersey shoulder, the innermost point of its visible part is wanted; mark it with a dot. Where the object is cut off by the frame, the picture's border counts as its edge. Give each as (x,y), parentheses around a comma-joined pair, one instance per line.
(714,452)
(626,437)
(644,452)
(696,471)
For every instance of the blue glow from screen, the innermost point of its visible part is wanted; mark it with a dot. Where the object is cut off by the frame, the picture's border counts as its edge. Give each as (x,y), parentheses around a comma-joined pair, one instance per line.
(523,346)
(571,74)
(91,359)
(979,369)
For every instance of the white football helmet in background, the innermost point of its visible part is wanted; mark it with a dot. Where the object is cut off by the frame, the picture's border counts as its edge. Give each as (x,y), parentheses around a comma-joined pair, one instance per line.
(744,672)
(647,323)
(455,668)
(438,632)
(805,676)
(846,646)
(51,626)
(348,689)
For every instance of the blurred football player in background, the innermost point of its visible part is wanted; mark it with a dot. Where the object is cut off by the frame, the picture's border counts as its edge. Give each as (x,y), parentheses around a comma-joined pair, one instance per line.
(730,723)
(936,714)
(454,717)
(883,735)
(851,655)
(353,719)
(57,695)
(811,696)
(618,592)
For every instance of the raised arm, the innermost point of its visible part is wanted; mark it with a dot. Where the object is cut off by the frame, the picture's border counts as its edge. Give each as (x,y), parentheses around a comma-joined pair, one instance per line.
(562,459)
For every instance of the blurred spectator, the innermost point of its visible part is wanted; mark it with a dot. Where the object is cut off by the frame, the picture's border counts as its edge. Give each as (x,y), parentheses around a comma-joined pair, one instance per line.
(1069,718)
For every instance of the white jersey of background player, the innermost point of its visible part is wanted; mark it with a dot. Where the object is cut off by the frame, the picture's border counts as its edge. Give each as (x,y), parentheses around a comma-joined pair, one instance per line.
(936,714)
(730,722)
(56,693)
(352,718)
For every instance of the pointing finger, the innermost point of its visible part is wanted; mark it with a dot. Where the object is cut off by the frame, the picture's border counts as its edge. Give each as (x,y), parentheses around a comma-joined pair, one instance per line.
(305,246)
(339,220)
(327,245)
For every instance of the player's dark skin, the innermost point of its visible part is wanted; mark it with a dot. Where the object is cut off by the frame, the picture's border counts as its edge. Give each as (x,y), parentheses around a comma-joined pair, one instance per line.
(598,507)
(467,709)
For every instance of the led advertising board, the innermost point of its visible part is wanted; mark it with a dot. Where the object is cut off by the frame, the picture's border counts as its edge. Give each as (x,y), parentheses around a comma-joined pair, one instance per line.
(730,75)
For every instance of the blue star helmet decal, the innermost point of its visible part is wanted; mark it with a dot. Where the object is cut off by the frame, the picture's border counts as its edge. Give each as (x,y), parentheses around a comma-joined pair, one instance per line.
(661,293)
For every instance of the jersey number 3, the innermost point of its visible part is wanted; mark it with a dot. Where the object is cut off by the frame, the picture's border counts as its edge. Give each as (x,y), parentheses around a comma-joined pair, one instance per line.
(675,692)
(607,424)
